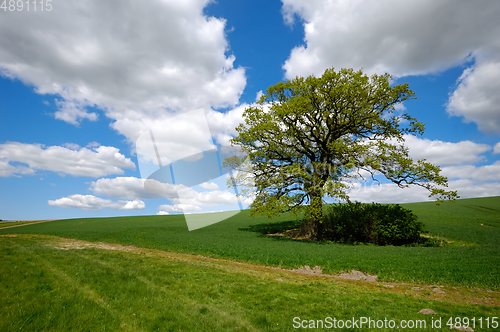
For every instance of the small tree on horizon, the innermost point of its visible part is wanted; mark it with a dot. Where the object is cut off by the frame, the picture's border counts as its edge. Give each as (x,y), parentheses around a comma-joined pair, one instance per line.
(308,137)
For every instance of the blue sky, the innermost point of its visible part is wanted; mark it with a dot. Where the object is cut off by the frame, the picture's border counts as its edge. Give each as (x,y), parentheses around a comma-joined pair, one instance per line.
(81,84)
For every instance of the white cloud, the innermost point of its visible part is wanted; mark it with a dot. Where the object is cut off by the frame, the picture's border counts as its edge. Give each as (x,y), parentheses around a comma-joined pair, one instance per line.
(134,189)
(496,149)
(93,162)
(477,97)
(387,193)
(445,153)
(134,61)
(389,36)
(183,136)
(73,112)
(90,202)
(391,193)
(475,173)
(470,189)
(469,180)
(210,186)
(130,188)
(134,205)
(73,146)
(180,208)
(174,138)
(162,213)
(259,94)
(223,125)
(6,169)
(398,37)
(191,197)
(399,107)
(189,200)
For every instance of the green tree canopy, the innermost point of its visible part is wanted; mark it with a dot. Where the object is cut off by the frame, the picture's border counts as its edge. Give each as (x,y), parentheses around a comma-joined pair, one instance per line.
(307,138)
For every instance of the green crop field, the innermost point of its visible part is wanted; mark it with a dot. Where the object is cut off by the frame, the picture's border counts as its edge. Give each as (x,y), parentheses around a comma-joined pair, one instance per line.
(150,273)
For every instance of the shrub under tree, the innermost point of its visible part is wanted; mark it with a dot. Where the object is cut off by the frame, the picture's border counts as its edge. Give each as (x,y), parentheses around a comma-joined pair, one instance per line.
(371,223)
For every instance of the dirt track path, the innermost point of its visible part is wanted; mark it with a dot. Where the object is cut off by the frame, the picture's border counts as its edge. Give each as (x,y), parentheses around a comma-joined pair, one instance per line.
(31,223)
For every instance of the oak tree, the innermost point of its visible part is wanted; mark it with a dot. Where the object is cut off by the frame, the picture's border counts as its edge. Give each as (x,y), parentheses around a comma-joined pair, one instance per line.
(309,138)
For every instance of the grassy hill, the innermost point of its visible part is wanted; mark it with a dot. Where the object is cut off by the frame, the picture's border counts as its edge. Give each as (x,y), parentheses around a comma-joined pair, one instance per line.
(139,274)
(473,225)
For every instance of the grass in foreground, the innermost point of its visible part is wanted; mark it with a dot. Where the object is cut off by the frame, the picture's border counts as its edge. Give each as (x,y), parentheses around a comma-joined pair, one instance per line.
(54,284)
(475,222)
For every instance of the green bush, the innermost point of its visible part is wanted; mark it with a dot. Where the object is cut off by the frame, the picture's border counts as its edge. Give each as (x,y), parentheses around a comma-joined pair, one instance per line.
(371,223)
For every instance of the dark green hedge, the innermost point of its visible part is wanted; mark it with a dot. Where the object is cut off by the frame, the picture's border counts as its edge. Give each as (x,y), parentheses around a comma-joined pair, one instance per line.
(371,223)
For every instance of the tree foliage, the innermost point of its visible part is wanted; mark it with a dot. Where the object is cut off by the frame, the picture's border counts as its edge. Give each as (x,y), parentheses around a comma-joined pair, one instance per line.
(309,138)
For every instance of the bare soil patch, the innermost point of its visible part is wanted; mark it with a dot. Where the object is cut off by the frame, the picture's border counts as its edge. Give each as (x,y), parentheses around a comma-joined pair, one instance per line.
(307,270)
(358,275)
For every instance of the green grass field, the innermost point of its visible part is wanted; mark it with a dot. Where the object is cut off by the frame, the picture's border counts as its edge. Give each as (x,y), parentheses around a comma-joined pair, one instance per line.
(474,221)
(56,281)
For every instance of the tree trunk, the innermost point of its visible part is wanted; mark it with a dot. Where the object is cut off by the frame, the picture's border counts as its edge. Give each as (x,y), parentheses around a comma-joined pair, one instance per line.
(316,217)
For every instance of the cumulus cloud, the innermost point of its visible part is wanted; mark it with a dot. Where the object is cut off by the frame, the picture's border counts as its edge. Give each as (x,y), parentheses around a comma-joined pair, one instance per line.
(469,189)
(387,193)
(92,162)
(90,202)
(6,169)
(133,205)
(210,186)
(178,208)
(455,159)
(190,200)
(223,125)
(475,173)
(207,198)
(496,149)
(185,136)
(134,61)
(388,36)
(134,188)
(174,138)
(73,112)
(184,199)
(123,187)
(446,153)
(391,193)
(477,97)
